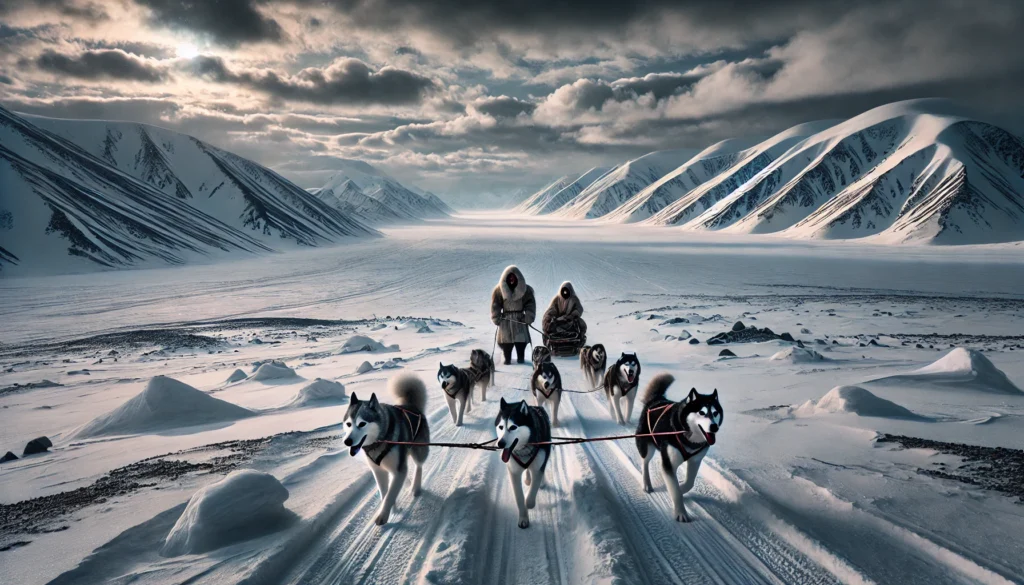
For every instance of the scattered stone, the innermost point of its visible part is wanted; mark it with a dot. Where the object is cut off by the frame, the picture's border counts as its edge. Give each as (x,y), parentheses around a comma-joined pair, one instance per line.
(675,321)
(726,353)
(684,335)
(786,337)
(37,445)
(694,341)
(919,346)
(804,331)
(820,342)
(748,335)
(424,329)
(8,457)
(738,326)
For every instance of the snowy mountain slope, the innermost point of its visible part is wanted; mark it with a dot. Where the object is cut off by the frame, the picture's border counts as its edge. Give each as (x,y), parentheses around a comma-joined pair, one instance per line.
(704,166)
(348,197)
(747,164)
(561,198)
(232,189)
(62,208)
(622,183)
(438,203)
(379,185)
(538,200)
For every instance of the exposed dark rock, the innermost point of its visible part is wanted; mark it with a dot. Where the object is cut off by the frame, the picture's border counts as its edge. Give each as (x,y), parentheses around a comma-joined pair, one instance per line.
(738,326)
(8,457)
(675,321)
(37,445)
(820,342)
(726,353)
(748,335)
(694,341)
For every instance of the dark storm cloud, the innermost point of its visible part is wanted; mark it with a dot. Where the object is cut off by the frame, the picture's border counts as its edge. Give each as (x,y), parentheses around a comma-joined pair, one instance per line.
(6,80)
(85,10)
(228,22)
(503,107)
(345,81)
(113,64)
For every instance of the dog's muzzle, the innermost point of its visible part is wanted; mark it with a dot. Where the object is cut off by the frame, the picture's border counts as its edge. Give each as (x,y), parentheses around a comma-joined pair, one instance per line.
(354,449)
(709,437)
(506,453)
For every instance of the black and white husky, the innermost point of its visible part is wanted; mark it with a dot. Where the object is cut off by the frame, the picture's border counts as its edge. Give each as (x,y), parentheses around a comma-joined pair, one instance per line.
(541,354)
(482,365)
(517,426)
(457,384)
(370,424)
(546,385)
(593,361)
(695,421)
(620,383)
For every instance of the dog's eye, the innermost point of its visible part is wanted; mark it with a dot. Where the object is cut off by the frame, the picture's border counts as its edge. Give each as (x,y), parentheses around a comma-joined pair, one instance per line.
(348,424)
(513,427)
(362,424)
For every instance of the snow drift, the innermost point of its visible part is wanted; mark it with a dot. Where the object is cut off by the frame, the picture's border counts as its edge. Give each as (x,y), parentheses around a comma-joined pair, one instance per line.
(797,355)
(244,505)
(853,400)
(236,376)
(960,368)
(319,392)
(358,343)
(273,370)
(165,404)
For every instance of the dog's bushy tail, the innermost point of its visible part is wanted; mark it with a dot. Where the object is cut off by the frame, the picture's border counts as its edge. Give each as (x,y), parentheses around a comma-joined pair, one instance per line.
(657,387)
(409,391)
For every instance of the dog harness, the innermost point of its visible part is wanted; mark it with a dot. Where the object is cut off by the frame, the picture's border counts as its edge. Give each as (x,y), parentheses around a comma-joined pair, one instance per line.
(386,447)
(546,394)
(463,379)
(526,464)
(662,410)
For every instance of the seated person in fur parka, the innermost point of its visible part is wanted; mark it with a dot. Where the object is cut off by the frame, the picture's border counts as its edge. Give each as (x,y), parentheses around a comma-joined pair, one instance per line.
(513,309)
(564,314)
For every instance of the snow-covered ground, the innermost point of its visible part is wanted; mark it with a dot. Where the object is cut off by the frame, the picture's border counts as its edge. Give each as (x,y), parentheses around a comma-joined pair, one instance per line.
(808,482)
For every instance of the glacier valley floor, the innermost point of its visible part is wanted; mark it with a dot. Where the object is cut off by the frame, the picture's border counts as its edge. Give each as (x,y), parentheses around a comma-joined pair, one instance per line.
(794,491)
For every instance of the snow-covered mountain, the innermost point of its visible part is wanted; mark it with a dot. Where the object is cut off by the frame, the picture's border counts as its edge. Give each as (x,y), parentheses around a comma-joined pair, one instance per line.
(348,197)
(680,205)
(358,179)
(537,201)
(79,195)
(622,183)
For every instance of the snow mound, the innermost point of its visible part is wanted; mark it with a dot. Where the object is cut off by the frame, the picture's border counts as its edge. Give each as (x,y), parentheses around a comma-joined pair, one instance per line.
(243,505)
(320,391)
(964,368)
(273,370)
(364,367)
(798,355)
(853,400)
(412,324)
(358,343)
(236,376)
(165,404)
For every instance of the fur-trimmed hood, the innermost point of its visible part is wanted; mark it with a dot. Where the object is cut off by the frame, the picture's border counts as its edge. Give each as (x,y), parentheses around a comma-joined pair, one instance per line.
(569,305)
(507,292)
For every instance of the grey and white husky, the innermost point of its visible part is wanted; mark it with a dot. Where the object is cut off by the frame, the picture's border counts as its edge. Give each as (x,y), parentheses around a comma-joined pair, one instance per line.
(457,384)
(371,425)
(517,426)
(593,361)
(482,366)
(541,354)
(546,385)
(620,383)
(695,421)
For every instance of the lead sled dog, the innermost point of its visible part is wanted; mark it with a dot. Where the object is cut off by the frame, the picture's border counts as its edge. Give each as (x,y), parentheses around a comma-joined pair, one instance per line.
(519,427)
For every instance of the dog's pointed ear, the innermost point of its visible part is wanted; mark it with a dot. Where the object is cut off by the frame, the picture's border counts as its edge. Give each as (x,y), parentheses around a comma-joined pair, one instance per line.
(692,395)
(504,405)
(353,399)
(715,393)
(524,408)
(373,400)
(440,364)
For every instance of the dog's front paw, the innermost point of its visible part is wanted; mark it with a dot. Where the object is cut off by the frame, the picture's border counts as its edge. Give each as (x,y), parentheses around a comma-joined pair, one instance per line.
(682,517)
(382,518)
(524,522)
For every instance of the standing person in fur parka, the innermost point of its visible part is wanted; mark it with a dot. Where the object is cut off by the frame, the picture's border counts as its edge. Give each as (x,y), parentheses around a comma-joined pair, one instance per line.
(564,314)
(513,309)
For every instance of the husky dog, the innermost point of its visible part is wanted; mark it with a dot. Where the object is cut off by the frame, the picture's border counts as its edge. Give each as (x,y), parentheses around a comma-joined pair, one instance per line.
(593,361)
(620,382)
(546,385)
(457,384)
(698,417)
(517,426)
(369,423)
(482,365)
(541,354)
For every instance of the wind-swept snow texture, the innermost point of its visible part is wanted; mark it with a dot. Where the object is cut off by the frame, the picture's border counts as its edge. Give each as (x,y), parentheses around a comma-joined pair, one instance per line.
(622,183)
(244,505)
(75,194)
(165,404)
(318,392)
(961,368)
(854,400)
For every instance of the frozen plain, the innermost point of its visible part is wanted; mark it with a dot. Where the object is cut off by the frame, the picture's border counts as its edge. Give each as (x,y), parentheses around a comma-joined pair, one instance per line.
(790,494)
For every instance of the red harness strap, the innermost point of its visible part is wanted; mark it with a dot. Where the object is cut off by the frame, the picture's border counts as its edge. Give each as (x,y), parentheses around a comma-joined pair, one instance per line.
(546,394)
(408,418)
(529,461)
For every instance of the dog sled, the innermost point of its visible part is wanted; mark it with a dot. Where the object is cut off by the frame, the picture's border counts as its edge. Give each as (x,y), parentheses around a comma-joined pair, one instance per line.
(565,340)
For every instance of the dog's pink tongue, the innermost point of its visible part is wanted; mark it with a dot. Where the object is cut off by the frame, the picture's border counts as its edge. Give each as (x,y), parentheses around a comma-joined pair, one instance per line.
(506,454)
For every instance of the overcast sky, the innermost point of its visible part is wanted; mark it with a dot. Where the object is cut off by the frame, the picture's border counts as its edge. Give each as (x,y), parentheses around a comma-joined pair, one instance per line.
(465,96)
